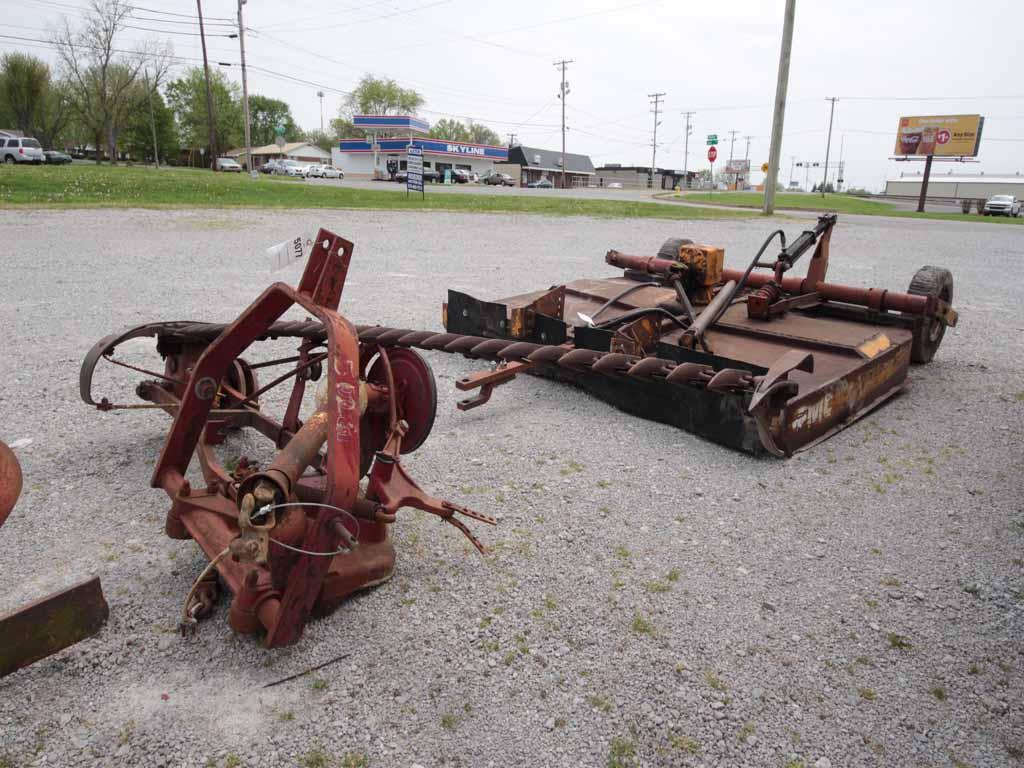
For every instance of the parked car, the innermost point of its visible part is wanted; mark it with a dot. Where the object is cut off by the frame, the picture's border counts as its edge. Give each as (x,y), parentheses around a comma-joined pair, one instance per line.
(498,180)
(323,172)
(540,184)
(289,168)
(460,176)
(54,157)
(23,150)
(429,174)
(269,167)
(1002,205)
(228,165)
(614,185)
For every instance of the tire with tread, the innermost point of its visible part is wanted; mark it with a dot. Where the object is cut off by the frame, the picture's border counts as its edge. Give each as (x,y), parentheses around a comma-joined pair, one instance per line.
(670,248)
(928,332)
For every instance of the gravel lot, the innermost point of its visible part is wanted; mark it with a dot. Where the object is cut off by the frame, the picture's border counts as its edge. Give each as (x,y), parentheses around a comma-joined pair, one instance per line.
(653,599)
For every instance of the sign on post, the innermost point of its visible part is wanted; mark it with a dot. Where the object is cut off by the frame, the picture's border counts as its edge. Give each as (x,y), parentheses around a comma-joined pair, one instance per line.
(712,154)
(414,170)
(712,139)
(764,167)
(940,135)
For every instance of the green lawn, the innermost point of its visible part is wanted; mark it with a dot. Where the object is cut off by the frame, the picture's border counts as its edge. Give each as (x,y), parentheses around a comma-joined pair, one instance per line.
(88,185)
(830,202)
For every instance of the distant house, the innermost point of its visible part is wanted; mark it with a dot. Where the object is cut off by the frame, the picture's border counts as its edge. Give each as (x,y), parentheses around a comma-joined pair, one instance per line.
(536,164)
(301,151)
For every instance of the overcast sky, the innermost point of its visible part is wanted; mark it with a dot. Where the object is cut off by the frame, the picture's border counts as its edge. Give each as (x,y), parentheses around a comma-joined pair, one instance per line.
(494,63)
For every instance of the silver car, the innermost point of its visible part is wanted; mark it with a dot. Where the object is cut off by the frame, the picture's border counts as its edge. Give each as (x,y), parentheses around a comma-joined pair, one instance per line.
(1002,205)
(23,150)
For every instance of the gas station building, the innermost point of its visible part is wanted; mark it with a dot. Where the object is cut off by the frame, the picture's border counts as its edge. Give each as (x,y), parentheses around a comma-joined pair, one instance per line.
(383,150)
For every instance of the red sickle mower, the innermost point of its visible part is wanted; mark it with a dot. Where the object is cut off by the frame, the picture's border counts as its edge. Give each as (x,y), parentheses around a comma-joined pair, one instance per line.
(294,538)
(756,360)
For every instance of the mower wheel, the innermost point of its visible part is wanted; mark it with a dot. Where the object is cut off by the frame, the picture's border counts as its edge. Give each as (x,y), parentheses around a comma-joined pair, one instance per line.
(670,248)
(416,397)
(928,331)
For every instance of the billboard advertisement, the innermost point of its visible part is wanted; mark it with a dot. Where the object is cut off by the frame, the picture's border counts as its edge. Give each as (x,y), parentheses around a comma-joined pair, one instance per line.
(940,135)
(738,166)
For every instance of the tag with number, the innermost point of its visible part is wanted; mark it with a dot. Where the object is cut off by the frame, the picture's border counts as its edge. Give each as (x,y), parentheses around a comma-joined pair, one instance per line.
(286,253)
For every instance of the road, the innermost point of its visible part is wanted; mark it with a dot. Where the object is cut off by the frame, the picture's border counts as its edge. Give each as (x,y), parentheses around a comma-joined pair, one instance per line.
(652,598)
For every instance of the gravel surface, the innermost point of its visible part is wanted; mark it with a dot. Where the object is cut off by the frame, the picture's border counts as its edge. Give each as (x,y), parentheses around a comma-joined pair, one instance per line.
(653,598)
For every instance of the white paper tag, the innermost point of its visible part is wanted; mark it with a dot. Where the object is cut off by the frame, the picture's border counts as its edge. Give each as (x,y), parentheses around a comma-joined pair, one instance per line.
(287,253)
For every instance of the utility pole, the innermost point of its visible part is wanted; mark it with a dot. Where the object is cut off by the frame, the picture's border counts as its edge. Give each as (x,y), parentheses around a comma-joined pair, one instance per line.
(320,95)
(245,93)
(686,149)
(839,171)
(746,157)
(152,120)
(511,139)
(209,96)
(828,144)
(656,101)
(775,148)
(732,143)
(562,93)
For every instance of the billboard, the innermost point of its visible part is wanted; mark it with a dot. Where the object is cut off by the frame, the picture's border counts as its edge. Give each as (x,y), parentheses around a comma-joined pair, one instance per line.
(738,166)
(940,135)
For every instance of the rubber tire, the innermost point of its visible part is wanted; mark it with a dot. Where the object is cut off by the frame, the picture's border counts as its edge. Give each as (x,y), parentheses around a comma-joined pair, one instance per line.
(928,332)
(9,159)
(670,248)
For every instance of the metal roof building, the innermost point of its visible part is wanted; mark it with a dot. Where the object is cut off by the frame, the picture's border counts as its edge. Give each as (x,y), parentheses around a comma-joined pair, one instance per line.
(951,187)
(536,164)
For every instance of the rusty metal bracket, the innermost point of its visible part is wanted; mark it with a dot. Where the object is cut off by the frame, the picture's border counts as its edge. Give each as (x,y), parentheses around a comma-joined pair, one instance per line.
(486,381)
(51,624)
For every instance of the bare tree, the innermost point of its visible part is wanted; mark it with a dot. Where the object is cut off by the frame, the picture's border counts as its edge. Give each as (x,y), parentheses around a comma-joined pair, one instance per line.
(103,78)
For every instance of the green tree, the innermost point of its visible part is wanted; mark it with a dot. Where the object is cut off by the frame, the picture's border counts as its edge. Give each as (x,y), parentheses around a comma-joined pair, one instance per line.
(455,130)
(24,84)
(137,138)
(186,97)
(450,130)
(343,128)
(381,96)
(481,134)
(265,114)
(325,141)
(101,76)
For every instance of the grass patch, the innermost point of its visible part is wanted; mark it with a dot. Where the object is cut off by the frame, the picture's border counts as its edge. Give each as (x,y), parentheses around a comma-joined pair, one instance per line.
(621,753)
(355,760)
(939,693)
(898,642)
(674,575)
(714,681)
(841,203)
(685,744)
(642,626)
(449,721)
(316,758)
(599,703)
(868,694)
(88,185)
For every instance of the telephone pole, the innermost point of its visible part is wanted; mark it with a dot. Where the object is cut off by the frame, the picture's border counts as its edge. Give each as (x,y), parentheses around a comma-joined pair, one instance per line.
(686,148)
(152,120)
(562,93)
(828,144)
(732,143)
(656,101)
(775,148)
(209,96)
(245,92)
(511,139)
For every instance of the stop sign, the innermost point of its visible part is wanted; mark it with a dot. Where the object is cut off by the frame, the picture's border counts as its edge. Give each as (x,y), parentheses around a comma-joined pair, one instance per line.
(712,154)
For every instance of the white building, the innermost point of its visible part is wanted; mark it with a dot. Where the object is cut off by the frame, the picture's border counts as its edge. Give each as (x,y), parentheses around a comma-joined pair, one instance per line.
(953,187)
(382,153)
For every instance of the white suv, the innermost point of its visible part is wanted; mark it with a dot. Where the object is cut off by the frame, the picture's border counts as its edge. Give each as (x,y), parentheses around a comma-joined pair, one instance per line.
(24,150)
